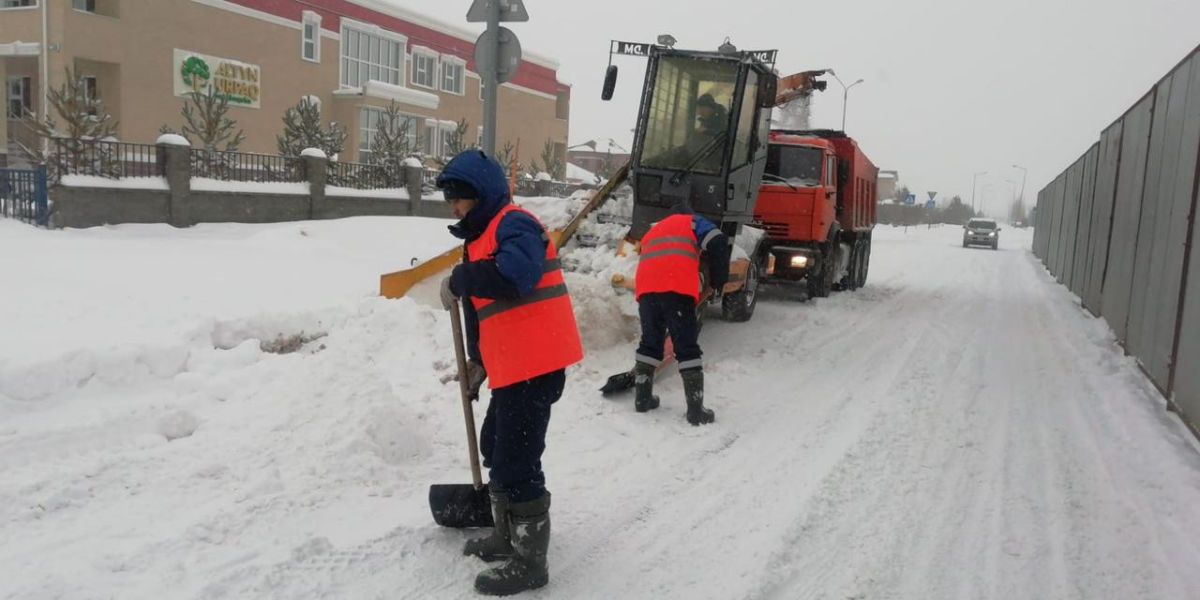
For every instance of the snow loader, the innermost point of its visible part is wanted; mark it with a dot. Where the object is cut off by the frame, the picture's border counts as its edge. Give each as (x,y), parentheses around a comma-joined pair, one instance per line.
(716,172)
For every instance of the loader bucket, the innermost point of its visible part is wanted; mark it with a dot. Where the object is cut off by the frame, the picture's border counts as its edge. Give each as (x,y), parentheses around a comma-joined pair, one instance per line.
(397,284)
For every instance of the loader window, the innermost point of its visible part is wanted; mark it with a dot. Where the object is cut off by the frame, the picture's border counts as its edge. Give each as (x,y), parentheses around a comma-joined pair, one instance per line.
(689,117)
(798,165)
(742,151)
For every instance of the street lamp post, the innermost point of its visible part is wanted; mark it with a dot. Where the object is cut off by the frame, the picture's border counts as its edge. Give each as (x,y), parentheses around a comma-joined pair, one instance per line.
(1024,172)
(845,94)
(973,180)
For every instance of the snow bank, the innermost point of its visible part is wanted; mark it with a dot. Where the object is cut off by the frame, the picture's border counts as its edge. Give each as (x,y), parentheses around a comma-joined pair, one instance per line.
(386,193)
(128,183)
(206,184)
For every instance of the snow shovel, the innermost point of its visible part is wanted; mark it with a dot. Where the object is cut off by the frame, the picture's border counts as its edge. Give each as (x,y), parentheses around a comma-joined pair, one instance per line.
(622,382)
(462,505)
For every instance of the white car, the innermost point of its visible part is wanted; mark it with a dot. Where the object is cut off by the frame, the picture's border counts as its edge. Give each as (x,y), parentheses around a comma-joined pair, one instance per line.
(981,232)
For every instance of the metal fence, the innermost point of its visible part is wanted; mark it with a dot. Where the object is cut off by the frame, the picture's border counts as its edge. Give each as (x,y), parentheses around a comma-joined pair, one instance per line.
(23,195)
(98,158)
(365,176)
(1118,227)
(245,166)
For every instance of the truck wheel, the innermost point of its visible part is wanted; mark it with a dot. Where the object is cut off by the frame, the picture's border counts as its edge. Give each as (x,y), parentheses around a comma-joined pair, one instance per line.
(866,264)
(850,279)
(821,282)
(739,306)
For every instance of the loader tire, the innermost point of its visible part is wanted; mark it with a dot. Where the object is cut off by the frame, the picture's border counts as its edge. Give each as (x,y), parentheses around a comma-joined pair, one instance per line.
(739,306)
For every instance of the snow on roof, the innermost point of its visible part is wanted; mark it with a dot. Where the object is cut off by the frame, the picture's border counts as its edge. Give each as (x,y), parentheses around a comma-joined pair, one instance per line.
(576,173)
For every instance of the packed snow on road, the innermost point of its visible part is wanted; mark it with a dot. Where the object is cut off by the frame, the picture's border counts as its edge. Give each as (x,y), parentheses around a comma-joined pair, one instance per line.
(229,411)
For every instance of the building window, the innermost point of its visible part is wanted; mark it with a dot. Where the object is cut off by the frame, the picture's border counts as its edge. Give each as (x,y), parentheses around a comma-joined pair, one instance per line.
(17,3)
(368,124)
(19,97)
(447,129)
(368,56)
(310,40)
(424,65)
(84,5)
(453,74)
(562,105)
(91,91)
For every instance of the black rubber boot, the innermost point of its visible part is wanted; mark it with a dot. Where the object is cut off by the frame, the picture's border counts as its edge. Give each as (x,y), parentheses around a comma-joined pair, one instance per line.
(693,391)
(496,545)
(526,569)
(643,385)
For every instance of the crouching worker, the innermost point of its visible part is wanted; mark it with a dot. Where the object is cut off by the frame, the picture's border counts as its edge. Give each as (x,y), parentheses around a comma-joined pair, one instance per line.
(521,336)
(668,293)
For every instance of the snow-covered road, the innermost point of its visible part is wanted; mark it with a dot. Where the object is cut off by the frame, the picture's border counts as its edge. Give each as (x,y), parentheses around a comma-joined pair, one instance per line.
(960,428)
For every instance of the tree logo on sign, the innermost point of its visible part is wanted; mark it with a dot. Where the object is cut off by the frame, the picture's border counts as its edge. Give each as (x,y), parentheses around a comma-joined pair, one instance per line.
(195,72)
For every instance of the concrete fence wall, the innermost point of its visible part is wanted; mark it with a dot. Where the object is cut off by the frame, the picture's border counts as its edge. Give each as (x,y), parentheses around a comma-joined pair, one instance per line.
(175,202)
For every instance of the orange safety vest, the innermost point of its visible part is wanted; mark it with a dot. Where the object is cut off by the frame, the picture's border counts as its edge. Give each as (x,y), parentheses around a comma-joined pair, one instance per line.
(670,260)
(530,336)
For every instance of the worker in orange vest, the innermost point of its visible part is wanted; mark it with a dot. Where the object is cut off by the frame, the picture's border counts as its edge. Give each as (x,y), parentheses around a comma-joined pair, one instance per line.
(668,292)
(521,336)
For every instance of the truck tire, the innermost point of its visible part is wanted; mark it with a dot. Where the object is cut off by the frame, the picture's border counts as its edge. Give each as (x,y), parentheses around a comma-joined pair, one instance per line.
(739,306)
(820,283)
(866,263)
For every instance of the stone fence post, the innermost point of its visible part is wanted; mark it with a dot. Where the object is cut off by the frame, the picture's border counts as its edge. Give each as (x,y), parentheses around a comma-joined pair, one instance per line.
(316,171)
(414,177)
(175,156)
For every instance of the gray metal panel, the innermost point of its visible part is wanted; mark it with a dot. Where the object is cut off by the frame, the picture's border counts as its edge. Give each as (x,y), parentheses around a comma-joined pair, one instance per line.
(1142,297)
(1083,247)
(1070,227)
(1126,213)
(1186,391)
(1041,231)
(1176,183)
(1102,213)
(1057,192)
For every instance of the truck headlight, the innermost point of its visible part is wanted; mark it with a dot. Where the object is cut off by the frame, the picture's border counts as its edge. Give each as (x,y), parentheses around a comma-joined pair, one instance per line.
(992,234)
(799,261)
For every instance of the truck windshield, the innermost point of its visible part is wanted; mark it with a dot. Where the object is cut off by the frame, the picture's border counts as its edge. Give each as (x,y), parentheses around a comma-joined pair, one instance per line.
(797,165)
(689,116)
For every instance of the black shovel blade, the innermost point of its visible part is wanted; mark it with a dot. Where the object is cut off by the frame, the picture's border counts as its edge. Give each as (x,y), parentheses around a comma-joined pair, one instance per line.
(618,383)
(460,505)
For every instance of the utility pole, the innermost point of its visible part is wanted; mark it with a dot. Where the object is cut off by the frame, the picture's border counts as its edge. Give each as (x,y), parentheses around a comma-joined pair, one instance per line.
(973,180)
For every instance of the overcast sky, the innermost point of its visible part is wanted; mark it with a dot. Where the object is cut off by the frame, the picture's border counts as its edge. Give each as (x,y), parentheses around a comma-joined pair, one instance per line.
(952,87)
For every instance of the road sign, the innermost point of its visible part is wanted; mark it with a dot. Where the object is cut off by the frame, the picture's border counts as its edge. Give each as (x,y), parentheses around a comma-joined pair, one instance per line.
(911,199)
(511,11)
(630,48)
(931,195)
(930,205)
(508,58)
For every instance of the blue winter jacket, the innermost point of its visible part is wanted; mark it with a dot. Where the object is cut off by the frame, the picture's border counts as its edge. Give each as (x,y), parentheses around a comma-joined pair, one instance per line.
(516,267)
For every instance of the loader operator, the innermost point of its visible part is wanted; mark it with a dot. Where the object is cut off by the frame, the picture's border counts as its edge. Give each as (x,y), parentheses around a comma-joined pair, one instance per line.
(668,293)
(521,336)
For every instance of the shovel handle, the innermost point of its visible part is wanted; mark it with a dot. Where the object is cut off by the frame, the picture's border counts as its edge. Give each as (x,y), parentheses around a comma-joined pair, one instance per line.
(464,388)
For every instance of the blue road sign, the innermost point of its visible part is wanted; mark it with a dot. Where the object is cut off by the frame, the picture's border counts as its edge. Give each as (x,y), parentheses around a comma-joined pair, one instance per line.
(911,199)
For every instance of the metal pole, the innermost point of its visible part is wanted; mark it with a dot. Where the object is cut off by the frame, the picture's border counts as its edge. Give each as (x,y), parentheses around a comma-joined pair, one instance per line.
(490,79)
(845,99)
(45,108)
(973,180)
(1024,172)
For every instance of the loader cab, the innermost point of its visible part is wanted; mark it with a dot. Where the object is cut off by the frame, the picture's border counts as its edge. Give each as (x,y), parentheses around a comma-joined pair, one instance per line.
(701,136)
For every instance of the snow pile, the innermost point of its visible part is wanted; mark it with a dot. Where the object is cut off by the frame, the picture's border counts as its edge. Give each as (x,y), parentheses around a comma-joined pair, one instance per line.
(172,139)
(578,174)
(314,153)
